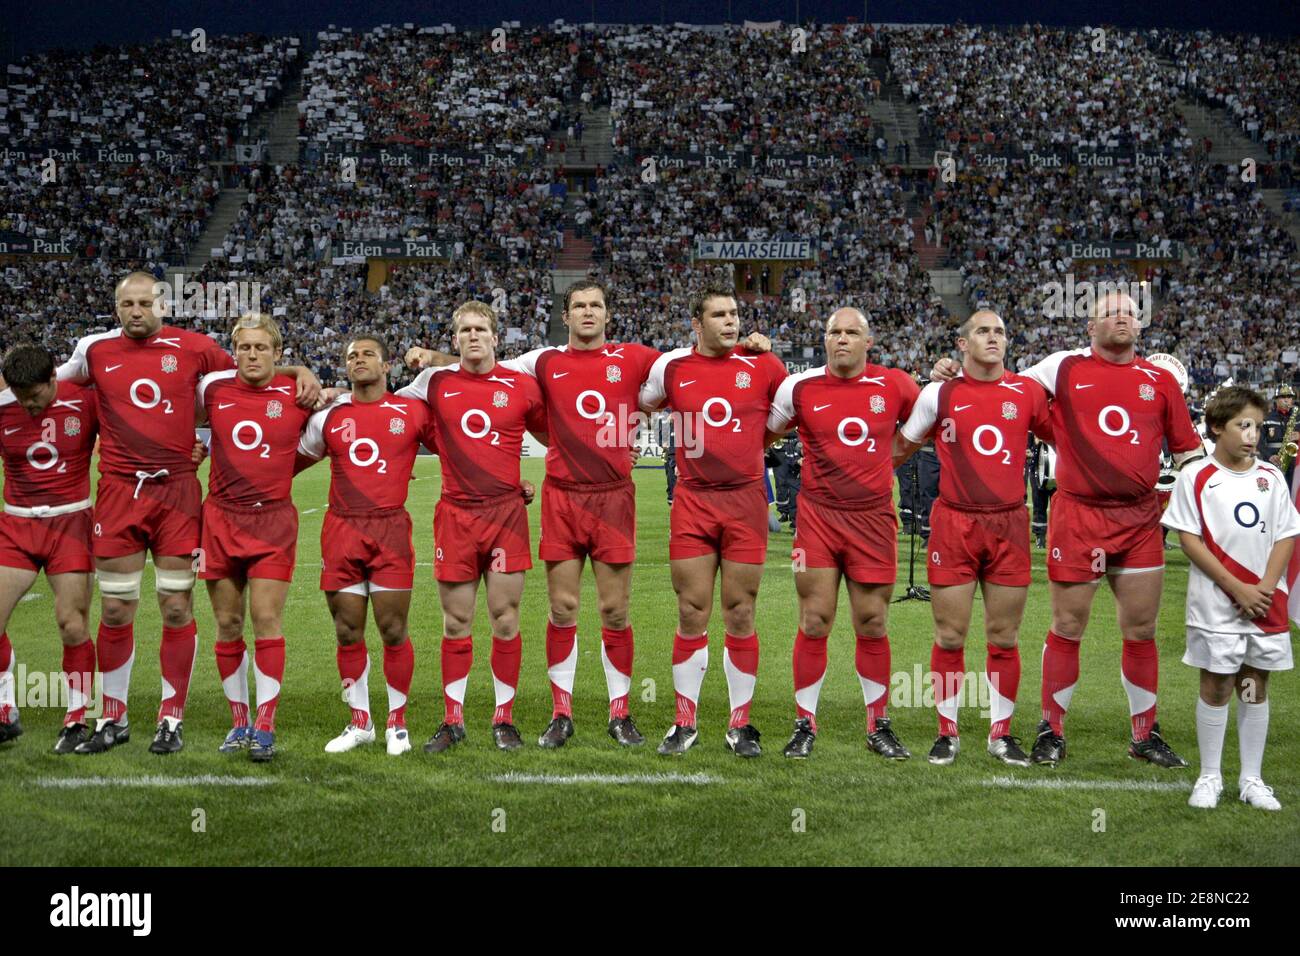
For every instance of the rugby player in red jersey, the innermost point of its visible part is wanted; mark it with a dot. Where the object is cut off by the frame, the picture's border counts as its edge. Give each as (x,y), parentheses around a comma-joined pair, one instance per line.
(846,412)
(145,376)
(480,526)
(590,387)
(47,435)
(980,422)
(1112,411)
(371,437)
(250,525)
(720,397)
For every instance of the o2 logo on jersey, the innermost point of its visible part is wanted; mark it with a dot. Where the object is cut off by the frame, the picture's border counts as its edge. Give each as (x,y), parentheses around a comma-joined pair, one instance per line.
(477,414)
(248,426)
(726,417)
(1247,515)
(979,439)
(1109,413)
(599,413)
(863,433)
(145,393)
(371,447)
(36,453)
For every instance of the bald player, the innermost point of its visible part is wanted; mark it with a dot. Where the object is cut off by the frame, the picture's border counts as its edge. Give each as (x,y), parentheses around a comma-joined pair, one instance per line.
(1111,413)
(846,412)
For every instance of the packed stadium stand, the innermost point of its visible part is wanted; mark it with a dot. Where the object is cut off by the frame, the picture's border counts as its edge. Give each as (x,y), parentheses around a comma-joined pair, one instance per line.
(909,158)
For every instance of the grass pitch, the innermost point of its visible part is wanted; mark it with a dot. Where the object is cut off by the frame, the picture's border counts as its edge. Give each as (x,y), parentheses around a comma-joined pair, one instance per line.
(592,803)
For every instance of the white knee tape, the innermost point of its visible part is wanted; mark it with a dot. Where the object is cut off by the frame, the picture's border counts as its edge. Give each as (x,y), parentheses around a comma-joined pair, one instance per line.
(123,585)
(165,580)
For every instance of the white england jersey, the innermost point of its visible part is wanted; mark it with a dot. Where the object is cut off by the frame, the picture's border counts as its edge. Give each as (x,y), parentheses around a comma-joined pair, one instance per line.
(1239,515)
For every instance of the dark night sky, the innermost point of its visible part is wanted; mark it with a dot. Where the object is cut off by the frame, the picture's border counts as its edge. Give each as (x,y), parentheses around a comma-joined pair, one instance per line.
(30,27)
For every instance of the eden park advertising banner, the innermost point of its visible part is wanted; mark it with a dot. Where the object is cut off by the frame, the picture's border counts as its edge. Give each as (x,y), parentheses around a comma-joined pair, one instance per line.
(1109,249)
(744,159)
(17,244)
(68,153)
(412,157)
(392,249)
(1061,157)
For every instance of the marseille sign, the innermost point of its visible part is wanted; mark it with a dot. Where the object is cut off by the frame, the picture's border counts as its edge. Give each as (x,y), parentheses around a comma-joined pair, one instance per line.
(797,249)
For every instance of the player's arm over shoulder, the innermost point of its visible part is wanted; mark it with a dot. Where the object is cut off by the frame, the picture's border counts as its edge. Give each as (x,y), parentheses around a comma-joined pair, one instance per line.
(782,417)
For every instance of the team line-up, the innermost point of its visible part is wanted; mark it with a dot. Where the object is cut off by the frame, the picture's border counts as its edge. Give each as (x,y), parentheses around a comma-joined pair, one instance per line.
(143,387)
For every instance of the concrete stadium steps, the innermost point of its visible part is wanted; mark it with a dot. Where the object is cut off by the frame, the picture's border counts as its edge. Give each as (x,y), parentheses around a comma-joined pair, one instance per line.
(576,254)
(928,254)
(596,148)
(224,214)
(947,282)
(1274,199)
(283,126)
(1228,145)
(900,116)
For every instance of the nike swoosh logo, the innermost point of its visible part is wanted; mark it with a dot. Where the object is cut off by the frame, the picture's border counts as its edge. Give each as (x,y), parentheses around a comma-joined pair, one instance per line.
(558,374)
(1215,485)
(109,368)
(10,431)
(688,382)
(818,408)
(221,405)
(1083,386)
(449,394)
(338,428)
(960,408)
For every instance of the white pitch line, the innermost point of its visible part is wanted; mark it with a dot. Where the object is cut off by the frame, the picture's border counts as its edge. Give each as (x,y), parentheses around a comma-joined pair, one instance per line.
(153,780)
(1015,783)
(698,779)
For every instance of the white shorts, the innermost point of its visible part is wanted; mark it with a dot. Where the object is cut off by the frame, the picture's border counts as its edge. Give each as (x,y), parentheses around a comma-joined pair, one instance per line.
(1221,653)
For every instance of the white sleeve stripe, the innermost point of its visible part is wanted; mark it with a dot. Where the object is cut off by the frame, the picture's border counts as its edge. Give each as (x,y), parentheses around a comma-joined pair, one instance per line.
(211,378)
(924,414)
(312,443)
(653,392)
(782,411)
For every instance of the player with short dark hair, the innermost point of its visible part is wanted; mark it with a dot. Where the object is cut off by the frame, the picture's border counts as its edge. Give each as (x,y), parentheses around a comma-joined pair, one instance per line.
(47,435)
(720,396)
(980,423)
(367,554)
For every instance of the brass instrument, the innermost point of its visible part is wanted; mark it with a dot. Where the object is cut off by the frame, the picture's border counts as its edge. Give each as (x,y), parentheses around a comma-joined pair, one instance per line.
(1289,446)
